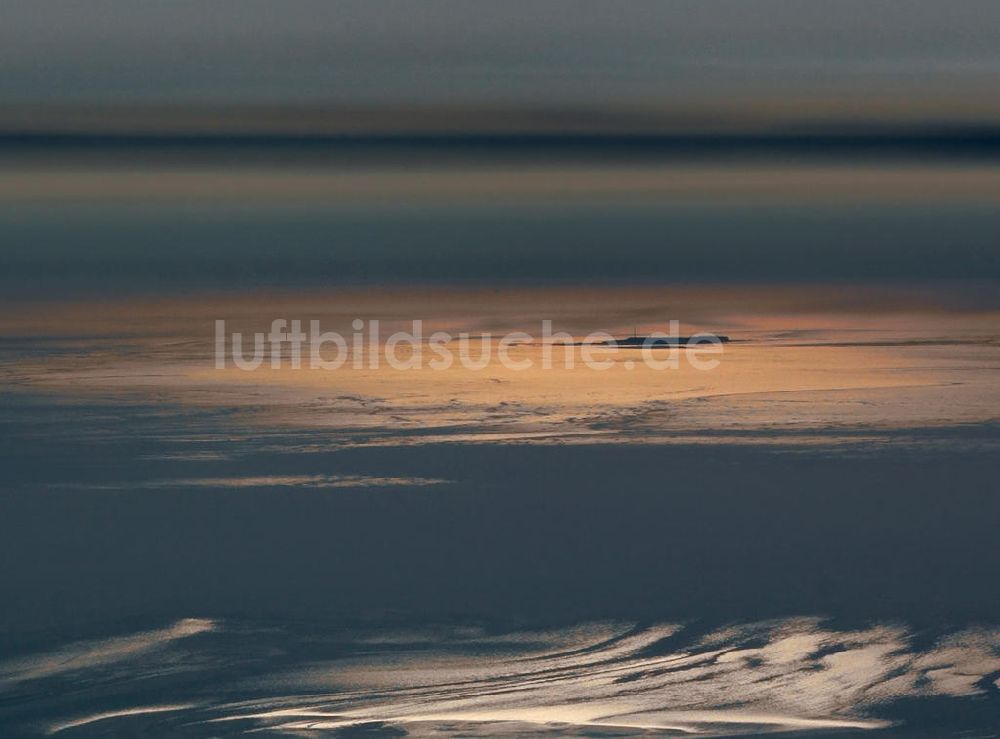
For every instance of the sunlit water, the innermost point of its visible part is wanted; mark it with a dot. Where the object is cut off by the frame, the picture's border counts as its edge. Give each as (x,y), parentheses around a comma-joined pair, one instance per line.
(790,376)
(223,678)
(317,591)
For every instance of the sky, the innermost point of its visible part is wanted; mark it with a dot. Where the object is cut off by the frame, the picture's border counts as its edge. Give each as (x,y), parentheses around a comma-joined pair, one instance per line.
(519,52)
(144,218)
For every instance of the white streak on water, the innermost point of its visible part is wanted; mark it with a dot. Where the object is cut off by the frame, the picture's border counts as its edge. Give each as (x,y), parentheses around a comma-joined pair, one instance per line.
(268,481)
(97,653)
(137,711)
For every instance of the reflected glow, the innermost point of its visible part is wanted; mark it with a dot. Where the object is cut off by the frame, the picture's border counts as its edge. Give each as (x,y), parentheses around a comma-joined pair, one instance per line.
(751,678)
(90,654)
(847,363)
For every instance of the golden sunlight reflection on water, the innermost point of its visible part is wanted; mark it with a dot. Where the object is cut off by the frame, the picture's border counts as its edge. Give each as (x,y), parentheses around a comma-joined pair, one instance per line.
(864,360)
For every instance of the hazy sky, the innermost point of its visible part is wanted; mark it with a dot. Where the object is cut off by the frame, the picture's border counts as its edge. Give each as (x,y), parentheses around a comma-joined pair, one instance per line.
(510,51)
(811,55)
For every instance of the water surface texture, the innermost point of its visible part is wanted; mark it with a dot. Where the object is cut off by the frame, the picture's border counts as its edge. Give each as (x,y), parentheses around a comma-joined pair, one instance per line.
(800,539)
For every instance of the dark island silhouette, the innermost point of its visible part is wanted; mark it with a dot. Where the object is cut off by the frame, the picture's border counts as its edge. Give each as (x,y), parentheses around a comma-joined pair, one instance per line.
(662,341)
